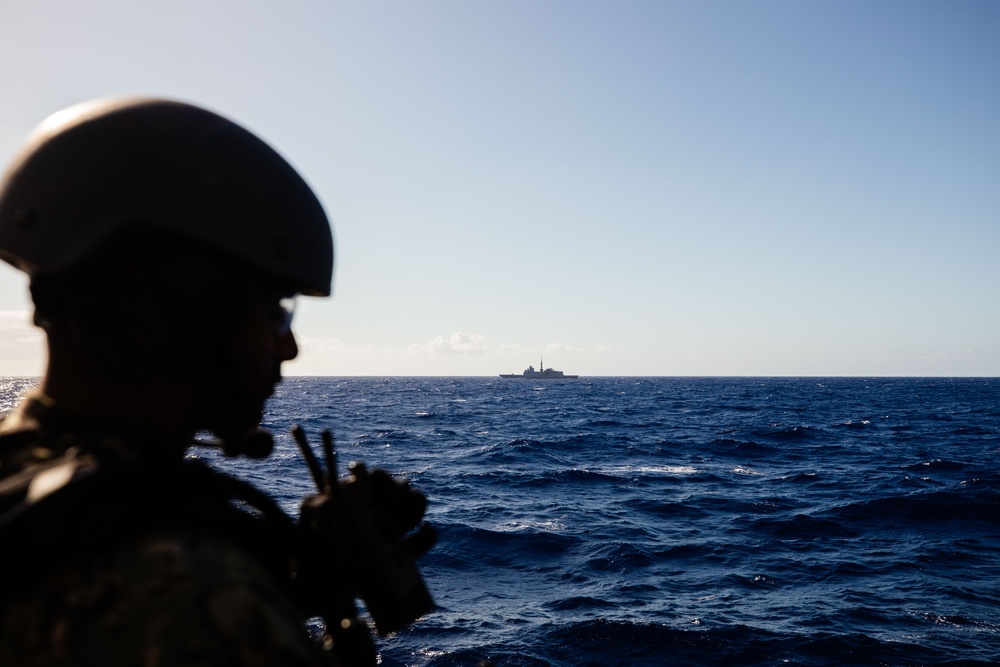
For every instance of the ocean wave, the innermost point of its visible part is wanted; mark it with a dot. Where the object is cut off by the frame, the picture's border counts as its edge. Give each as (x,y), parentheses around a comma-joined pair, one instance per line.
(563,477)
(579,603)
(500,547)
(619,557)
(627,471)
(953,507)
(783,433)
(730,446)
(935,465)
(803,526)
(673,510)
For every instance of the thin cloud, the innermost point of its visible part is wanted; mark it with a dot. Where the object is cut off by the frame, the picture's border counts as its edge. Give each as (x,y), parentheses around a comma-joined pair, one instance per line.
(454,343)
(459,352)
(17,330)
(458,342)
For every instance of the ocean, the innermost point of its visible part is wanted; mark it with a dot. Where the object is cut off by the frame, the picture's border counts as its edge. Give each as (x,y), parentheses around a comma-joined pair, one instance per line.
(679,521)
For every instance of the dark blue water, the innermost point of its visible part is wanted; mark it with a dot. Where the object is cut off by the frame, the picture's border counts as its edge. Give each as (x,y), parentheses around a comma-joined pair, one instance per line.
(682,521)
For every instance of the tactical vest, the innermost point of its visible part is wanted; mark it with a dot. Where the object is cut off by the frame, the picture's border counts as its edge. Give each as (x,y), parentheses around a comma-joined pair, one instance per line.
(74,507)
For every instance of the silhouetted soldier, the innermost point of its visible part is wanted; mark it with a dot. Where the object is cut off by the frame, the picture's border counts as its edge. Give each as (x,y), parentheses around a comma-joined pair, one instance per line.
(165,247)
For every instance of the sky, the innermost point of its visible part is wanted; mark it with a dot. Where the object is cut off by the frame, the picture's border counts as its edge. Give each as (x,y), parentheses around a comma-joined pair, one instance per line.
(637,187)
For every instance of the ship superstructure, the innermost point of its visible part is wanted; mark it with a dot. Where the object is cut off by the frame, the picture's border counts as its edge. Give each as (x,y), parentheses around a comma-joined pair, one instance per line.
(542,373)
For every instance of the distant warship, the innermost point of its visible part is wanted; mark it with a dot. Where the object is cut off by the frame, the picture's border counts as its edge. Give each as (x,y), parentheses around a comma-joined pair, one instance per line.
(542,373)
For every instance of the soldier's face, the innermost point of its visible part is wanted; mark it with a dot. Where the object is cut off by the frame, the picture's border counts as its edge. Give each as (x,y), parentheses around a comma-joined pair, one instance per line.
(258,348)
(264,343)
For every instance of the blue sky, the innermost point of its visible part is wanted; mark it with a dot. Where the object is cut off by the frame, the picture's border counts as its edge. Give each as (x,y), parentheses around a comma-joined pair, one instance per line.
(627,188)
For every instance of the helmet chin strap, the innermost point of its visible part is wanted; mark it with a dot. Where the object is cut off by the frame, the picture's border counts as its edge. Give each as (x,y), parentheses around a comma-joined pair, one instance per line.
(255,443)
(229,414)
(234,437)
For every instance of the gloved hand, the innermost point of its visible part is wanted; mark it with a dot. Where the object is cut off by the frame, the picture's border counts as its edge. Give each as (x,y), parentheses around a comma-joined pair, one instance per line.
(398,509)
(382,511)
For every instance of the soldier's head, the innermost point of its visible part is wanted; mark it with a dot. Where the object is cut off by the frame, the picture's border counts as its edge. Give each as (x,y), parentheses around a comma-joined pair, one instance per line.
(165,242)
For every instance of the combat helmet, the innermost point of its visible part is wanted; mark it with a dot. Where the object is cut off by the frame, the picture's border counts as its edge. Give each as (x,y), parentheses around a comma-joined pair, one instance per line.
(97,168)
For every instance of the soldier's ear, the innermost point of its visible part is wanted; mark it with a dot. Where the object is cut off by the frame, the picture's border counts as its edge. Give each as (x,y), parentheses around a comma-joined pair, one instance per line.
(138,341)
(147,334)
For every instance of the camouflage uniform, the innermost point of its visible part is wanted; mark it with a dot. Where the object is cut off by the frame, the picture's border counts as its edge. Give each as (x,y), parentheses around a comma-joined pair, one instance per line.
(113,557)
